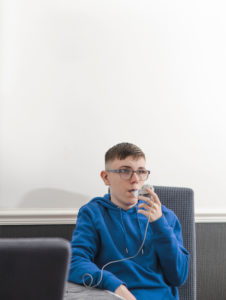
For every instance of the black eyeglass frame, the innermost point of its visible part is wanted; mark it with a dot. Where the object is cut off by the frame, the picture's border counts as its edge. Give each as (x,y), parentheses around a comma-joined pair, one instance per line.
(122,171)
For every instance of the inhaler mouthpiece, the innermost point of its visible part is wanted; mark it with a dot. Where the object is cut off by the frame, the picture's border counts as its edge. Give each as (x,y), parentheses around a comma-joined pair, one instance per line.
(136,193)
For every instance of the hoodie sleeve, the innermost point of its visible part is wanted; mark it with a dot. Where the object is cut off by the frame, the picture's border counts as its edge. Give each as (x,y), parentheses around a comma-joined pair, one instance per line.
(174,258)
(84,246)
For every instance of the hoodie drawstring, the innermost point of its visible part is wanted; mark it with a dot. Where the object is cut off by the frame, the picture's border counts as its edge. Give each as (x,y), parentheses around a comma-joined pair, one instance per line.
(124,231)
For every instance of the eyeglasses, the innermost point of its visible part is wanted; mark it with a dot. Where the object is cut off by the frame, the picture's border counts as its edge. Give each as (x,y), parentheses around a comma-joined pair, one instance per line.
(128,173)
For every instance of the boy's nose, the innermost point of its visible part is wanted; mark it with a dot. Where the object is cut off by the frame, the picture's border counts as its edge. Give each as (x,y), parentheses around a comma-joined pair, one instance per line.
(134,177)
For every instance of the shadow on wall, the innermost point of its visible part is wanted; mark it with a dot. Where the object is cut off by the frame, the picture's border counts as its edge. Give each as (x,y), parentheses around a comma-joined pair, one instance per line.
(53,198)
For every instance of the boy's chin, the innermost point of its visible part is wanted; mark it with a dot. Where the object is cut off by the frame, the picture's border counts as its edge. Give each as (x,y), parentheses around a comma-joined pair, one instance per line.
(133,200)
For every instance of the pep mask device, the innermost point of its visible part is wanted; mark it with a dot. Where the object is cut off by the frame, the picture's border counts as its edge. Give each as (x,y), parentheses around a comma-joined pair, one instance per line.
(143,192)
(137,193)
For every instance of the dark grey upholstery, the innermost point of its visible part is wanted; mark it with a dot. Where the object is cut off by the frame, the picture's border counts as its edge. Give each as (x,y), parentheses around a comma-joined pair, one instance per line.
(33,268)
(211,261)
(181,201)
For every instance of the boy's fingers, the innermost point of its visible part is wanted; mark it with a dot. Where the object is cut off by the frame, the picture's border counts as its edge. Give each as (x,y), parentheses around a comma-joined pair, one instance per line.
(147,200)
(154,195)
(144,205)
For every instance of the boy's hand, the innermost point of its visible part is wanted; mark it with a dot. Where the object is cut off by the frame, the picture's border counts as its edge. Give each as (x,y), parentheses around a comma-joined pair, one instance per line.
(152,206)
(123,292)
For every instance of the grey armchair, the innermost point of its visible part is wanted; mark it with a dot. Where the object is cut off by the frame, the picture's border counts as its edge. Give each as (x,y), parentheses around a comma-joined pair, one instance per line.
(181,201)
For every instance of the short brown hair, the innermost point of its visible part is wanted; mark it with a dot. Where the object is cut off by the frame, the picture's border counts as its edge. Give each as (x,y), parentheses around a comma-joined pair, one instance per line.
(123,150)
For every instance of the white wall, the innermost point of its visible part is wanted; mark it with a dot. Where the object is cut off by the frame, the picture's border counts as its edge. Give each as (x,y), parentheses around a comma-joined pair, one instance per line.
(80,76)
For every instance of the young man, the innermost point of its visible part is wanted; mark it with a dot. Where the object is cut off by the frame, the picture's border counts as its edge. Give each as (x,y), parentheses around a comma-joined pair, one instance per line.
(112,228)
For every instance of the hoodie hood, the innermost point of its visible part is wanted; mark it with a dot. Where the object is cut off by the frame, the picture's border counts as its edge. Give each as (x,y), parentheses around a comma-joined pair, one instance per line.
(123,216)
(106,202)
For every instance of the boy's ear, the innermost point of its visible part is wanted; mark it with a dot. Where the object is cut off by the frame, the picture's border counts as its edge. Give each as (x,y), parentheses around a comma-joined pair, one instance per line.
(104,176)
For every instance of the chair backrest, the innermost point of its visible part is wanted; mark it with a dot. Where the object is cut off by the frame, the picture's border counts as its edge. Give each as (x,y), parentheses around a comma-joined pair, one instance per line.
(181,201)
(33,268)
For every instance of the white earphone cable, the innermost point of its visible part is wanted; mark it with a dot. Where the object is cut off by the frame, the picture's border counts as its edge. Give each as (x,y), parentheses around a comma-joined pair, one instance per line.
(114,261)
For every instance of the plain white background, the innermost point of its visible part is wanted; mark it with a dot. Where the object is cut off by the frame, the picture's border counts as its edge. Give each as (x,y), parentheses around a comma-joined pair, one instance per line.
(77,77)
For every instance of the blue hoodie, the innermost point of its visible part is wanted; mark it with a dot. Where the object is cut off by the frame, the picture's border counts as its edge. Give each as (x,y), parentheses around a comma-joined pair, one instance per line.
(104,232)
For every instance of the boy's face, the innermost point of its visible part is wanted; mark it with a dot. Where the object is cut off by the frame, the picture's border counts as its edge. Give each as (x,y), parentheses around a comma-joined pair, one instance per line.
(121,189)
